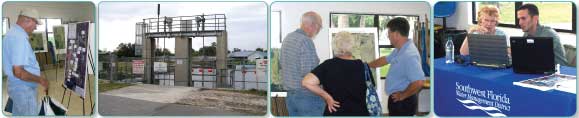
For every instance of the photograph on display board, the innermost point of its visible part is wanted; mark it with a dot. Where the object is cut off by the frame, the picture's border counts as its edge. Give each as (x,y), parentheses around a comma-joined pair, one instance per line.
(37,41)
(76,59)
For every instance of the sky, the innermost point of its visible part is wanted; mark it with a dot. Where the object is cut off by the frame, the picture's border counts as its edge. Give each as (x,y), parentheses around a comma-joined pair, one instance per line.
(246,22)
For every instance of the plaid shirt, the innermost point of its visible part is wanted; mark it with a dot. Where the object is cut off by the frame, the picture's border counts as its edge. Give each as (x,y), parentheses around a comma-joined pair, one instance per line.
(298,58)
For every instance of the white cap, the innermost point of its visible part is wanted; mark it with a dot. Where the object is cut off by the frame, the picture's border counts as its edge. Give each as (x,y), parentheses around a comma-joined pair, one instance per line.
(32,13)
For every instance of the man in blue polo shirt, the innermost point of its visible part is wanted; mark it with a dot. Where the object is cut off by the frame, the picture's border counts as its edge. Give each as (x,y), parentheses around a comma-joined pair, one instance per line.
(405,77)
(20,65)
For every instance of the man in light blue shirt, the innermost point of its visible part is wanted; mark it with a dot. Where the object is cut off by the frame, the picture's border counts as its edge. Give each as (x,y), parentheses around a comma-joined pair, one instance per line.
(405,77)
(20,65)
(297,58)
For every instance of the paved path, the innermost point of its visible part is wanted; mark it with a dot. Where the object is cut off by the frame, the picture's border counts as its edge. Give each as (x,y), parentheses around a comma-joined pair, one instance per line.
(145,99)
(114,105)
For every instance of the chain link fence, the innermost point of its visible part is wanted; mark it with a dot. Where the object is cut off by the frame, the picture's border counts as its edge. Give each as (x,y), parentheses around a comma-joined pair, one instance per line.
(240,74)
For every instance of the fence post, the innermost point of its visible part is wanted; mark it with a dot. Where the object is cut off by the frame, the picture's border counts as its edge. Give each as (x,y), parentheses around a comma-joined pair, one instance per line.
(113,67)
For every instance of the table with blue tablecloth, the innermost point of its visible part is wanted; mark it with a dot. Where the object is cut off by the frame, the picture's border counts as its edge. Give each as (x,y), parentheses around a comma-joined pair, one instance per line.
(467,90)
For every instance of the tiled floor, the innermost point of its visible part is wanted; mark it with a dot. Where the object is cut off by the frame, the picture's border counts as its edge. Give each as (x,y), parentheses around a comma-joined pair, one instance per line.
(56,92)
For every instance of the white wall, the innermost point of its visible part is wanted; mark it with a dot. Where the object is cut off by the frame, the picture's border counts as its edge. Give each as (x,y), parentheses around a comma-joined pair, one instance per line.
(67,11)
(461,19)
(292,11)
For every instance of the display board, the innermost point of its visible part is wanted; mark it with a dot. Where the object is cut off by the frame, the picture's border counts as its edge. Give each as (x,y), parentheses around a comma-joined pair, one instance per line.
(76,59)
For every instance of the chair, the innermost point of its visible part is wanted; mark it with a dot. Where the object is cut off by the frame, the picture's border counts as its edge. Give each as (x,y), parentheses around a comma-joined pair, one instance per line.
(444,10)
(570,55)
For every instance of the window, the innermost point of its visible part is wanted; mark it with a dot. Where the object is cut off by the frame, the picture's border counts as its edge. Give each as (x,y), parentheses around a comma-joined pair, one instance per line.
(48,28)
(352,20)
(275,44)
(343,20)
(506,9)
(275,23)
(383,38)
(558,15)
(5,25)
(50,23)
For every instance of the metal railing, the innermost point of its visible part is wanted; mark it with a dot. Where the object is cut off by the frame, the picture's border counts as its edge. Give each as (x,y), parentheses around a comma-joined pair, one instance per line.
(206,22)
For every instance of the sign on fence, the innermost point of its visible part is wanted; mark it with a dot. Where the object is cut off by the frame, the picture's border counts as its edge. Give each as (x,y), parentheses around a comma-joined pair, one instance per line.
(160,67)
(138,66)
(261,64)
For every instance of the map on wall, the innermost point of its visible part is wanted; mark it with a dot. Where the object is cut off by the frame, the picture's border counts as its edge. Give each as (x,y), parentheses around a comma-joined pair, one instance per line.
(365,44)
(76,58)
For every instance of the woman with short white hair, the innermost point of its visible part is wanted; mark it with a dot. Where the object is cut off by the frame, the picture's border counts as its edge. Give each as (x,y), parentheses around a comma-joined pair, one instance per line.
(488,19)
(342,78)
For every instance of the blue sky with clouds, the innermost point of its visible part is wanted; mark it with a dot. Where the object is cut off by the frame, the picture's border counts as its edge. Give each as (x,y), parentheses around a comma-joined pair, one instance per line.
(246,22)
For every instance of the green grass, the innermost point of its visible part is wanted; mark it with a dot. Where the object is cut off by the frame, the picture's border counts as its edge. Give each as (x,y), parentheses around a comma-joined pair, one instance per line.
(107,86)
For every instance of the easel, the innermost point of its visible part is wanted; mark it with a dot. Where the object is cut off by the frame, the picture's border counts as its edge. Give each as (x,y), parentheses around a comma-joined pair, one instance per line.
(90,60)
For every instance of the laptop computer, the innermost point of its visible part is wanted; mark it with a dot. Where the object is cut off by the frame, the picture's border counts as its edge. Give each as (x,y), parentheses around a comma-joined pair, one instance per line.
(489,50)
(533,55)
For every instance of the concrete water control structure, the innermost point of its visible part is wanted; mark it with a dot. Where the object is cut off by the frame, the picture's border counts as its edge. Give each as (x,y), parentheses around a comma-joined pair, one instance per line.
(182,29)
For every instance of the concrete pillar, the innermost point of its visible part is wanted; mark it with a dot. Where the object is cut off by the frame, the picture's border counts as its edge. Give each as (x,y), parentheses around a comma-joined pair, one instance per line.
(182,63)
(221,59)
(148,55)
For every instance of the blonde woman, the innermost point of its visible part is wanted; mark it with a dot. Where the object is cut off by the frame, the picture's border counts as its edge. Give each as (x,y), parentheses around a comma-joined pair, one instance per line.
(488,19)
(342,78)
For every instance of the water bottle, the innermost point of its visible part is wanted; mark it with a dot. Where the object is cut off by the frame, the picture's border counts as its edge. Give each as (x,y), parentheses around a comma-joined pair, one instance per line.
(449,51)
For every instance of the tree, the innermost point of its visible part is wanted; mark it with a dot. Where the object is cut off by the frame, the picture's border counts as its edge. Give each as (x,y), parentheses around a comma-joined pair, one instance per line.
(163,52)
(125,50)
(208,50)
(259,49)
(103,52)
(194,53)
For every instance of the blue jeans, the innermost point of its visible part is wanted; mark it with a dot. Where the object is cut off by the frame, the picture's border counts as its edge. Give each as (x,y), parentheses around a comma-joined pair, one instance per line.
(23,99)
(304,103)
